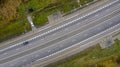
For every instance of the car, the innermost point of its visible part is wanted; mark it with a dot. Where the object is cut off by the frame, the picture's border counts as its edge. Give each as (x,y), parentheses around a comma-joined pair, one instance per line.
(25,43)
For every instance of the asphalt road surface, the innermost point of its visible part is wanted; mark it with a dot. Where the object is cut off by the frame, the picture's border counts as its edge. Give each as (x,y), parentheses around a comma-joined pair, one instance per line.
(55,35)
(88,26)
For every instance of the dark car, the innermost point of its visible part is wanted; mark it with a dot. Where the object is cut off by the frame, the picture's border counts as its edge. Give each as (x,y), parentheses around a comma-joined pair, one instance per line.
(25,43)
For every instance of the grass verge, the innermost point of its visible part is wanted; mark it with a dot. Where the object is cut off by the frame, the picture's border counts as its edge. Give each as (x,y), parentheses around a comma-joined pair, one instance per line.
(14,30)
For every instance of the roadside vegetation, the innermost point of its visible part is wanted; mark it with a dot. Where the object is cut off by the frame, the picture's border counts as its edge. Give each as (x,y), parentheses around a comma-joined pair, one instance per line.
(93,57)
(13,13)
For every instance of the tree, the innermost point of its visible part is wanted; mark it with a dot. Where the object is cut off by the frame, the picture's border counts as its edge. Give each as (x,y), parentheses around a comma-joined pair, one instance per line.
(8,10)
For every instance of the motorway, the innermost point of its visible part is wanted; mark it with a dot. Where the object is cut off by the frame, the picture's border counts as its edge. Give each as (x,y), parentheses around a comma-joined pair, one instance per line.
(82,25)
(67,42)
(83,28)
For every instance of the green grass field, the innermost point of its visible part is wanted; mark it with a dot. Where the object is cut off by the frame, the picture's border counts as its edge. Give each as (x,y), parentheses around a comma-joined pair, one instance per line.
(93,57)
(41,9)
